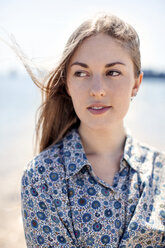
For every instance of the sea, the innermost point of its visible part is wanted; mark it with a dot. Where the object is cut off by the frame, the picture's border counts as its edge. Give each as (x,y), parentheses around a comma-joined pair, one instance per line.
(20,98)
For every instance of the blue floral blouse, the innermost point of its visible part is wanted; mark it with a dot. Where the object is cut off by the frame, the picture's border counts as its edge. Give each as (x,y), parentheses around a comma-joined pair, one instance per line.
(64,204)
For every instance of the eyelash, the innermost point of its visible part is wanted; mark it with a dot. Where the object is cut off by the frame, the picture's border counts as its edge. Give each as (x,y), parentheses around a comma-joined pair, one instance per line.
(77,73)
(118,73)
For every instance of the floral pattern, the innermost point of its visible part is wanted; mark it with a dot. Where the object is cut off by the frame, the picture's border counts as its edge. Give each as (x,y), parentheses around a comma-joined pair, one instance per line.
(64,204)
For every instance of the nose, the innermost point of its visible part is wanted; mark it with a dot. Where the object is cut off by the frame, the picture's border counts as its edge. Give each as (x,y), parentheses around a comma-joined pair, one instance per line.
(97,87)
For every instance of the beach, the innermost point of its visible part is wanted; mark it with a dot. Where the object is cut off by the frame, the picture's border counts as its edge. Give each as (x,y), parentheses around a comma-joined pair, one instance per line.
(11,229)
(14,157)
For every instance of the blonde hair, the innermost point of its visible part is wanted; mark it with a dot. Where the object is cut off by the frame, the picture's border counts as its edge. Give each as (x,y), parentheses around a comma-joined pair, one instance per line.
(57,115)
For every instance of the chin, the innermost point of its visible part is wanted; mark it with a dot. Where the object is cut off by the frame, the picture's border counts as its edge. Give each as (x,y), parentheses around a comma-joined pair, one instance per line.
(96,126)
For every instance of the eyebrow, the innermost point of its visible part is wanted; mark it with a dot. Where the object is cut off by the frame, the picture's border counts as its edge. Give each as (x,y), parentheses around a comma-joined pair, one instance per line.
(107,65)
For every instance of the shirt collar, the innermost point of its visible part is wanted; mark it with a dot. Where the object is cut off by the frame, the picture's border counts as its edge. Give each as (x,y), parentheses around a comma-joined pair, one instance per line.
(136,155)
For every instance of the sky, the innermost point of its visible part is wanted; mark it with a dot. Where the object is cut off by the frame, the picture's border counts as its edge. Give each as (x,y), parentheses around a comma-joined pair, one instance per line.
(42,27)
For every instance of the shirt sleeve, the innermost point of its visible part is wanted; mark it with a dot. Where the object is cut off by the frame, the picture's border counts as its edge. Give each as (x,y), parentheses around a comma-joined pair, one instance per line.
(43,227)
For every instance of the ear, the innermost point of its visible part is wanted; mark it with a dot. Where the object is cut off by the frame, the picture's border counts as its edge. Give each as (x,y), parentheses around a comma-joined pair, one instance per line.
(137,84)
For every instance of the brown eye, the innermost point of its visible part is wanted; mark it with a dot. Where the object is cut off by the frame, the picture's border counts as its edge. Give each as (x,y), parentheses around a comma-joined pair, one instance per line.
(80,74)
(113,73)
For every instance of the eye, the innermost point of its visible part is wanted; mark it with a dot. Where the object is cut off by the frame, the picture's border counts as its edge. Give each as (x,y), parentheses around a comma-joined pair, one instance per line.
(113,73)
(80,74)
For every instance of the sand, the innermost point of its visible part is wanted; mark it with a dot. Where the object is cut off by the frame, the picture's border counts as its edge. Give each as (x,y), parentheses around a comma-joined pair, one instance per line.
(15,153)
(11,227)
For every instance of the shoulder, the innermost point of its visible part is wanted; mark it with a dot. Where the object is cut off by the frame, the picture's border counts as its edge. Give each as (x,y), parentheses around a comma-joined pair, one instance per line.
(52,164)
(150,153)
(147,160)
(46,166)
(143,152)
(152,174)
(150,162)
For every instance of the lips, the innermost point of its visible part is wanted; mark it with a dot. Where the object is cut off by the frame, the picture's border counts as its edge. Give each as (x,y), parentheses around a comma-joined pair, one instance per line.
(98,108)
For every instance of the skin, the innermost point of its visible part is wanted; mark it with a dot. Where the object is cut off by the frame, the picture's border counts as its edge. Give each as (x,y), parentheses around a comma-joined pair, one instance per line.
(102,135)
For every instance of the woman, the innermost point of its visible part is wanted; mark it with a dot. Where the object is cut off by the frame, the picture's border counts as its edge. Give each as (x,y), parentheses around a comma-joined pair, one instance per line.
(92,184)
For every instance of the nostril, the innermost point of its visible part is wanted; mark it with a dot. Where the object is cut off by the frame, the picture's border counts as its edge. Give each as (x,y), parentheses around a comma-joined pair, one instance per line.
(100,92)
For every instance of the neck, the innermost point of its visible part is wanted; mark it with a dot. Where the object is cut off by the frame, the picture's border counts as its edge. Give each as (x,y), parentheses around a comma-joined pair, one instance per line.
(103,142)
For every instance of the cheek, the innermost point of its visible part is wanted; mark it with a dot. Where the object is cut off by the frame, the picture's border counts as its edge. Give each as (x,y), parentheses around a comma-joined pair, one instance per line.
(72,90)
(78,104)
(122,97)
(123,90)
(76,89)
(76,95)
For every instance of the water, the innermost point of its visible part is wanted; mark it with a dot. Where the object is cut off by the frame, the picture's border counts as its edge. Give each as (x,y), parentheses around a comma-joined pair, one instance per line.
(146,117)
(19,99)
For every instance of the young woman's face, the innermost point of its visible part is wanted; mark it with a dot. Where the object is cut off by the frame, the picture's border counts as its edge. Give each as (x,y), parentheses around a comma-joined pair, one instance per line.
(100,81)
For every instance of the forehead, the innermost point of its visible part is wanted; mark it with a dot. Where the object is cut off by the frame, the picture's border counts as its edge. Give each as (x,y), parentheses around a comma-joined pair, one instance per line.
(100,47)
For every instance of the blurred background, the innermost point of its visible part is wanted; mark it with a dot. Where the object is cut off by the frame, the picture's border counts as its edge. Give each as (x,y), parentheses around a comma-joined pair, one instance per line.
(41,28)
